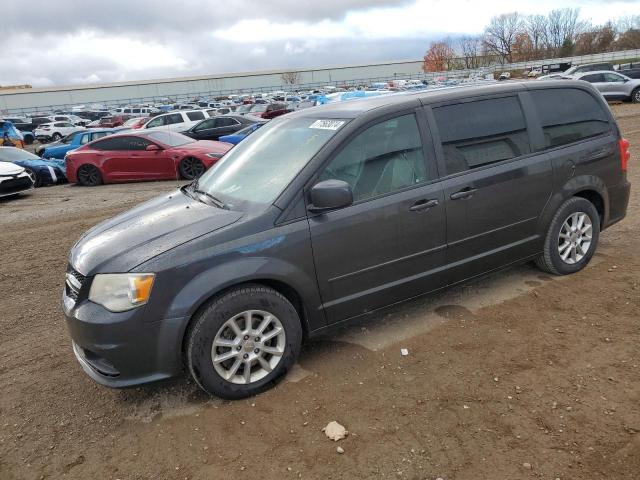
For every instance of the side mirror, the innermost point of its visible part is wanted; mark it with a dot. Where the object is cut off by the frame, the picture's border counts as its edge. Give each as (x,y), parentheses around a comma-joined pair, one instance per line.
(152,148)
(329,195)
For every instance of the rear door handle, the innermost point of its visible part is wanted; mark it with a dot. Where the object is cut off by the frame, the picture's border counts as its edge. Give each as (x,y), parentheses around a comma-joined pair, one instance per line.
(421,205)
(464,193)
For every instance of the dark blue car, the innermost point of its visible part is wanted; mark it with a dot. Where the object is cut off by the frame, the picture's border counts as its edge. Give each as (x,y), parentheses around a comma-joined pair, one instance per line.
(42,172)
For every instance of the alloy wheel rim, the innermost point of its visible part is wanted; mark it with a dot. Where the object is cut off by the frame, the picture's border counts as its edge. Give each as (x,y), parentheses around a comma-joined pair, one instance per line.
(193,168)
(32,176)
(248,347)
(88,175)
(575,237)
(638,96)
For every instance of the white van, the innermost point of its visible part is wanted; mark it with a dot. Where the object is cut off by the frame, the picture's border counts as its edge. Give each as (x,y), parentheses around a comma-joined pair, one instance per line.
(178,120)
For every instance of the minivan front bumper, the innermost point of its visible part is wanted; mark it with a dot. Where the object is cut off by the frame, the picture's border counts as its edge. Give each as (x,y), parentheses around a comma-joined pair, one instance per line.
(123,349)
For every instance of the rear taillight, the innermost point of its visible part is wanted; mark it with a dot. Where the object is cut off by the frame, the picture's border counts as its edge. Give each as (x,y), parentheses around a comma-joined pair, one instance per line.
(624,153)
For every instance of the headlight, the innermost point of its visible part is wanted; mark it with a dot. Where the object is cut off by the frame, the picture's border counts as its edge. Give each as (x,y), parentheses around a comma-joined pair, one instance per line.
(119,292)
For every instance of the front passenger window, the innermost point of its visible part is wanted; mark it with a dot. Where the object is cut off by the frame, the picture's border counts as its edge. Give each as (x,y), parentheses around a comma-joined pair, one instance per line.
(384,158)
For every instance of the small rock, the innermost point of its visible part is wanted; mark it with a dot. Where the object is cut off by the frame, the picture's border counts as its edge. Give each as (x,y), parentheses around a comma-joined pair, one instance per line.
(335,431)
(404,352)
(527,465)
(340,450)
(495,379)
(466,407)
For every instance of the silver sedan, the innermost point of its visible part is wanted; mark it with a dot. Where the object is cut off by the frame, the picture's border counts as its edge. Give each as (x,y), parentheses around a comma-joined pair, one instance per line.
(613,85)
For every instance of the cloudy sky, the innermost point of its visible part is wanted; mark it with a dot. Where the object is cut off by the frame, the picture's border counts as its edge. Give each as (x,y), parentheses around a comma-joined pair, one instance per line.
(59,42)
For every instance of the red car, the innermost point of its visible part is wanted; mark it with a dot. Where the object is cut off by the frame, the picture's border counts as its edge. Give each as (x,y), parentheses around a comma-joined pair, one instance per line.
(112,122)
(269,111)
(147,155)
(136,122)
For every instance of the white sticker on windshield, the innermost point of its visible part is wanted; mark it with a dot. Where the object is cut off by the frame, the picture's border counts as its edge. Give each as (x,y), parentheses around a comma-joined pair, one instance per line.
(327,124)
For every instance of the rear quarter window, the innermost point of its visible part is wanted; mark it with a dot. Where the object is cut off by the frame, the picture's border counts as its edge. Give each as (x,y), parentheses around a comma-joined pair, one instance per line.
(569,115)
(195,116)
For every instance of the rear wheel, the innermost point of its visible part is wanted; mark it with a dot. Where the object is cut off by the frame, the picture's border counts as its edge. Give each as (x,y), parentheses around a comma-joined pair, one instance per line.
(243,342)
(635,96)
(89,176)
(191,168)
(56,137)
(28,139)
(572,238)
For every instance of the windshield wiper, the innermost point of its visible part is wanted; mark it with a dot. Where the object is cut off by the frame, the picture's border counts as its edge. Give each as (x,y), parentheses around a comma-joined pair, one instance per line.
(216,201)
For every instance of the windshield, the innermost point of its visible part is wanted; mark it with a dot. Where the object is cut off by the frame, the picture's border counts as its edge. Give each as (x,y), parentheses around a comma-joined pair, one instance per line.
(261,107)
(10,154)
(171,139)
(68,138)
(261,166)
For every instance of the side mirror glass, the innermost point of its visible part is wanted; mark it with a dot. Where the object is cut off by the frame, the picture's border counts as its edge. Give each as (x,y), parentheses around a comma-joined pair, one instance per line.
(330,195)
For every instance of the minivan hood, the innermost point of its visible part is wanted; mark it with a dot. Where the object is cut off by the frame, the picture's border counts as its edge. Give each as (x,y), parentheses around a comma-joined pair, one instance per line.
(137,235)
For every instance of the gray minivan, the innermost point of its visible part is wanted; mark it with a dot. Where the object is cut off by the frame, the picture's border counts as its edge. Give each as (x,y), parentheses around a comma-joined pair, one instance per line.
(328,213)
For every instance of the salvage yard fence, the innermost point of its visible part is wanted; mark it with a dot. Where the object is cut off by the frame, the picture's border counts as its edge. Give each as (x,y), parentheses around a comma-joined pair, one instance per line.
(612,57)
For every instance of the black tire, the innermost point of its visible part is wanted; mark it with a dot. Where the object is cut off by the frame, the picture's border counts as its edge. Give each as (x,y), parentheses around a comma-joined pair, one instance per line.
(210,321)
(40,151)
(635,95)
(89,175)
(28,139)
(191,168)
(37,181)
(550,260)
(56,137)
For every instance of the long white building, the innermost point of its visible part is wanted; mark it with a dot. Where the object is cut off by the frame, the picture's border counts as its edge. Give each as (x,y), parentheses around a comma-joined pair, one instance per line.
(146,90)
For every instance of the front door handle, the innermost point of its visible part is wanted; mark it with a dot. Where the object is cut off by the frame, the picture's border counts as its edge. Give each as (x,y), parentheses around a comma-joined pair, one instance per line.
(421,205)
(464,193)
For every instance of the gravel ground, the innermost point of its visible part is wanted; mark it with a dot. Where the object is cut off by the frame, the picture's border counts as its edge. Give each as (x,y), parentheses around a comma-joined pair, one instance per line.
(517,375)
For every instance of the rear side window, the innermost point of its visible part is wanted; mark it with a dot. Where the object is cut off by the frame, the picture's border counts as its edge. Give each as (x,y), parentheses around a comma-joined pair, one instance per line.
(569,115)
(110,144)
(195,115)
(593,78)
(173,118)
(480,133)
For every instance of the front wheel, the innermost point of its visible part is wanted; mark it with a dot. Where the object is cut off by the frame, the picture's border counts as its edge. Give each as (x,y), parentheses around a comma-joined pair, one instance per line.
(89,176)
(191,168)
(35,178)
(56,137)
(243,342)
(635,96)
(572,238)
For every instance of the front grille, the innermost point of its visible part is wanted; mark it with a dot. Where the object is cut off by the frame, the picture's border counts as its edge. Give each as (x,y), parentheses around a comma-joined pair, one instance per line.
(14,185)
(73,283)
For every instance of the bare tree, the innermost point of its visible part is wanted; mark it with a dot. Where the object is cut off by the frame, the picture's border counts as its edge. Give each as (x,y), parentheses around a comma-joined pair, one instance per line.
(501,33)
(471,48)
(290,78)
(536,27)
(563,26)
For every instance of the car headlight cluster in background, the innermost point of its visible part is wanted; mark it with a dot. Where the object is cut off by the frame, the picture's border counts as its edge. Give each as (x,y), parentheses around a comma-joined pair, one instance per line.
(119,292)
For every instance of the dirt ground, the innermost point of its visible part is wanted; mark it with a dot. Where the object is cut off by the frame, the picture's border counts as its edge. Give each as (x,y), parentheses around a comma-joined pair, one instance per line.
(515,376)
